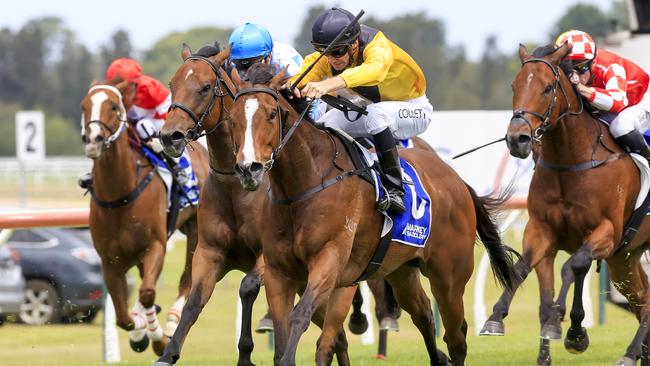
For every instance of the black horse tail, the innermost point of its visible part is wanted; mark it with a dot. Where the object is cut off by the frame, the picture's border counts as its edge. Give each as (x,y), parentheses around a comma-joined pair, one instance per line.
(502,257)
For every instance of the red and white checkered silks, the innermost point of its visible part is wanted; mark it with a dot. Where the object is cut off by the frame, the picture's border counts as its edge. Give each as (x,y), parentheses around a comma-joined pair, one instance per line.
(583,46)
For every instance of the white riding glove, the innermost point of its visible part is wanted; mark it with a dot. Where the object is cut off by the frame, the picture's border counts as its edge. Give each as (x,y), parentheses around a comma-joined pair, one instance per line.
(146,129)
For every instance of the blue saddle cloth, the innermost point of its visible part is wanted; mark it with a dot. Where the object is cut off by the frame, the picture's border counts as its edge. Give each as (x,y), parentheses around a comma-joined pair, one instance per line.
(413,226)
(190,187)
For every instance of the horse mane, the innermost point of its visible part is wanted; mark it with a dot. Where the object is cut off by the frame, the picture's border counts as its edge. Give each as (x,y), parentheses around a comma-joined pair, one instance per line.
(208,50)
(542,51)
(261,73)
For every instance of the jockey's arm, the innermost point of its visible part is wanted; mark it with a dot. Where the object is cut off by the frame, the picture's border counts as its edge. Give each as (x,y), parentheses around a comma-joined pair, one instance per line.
(613,97)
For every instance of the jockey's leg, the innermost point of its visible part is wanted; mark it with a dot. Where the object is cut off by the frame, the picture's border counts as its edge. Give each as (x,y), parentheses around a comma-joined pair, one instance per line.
(389,160)
(628,127)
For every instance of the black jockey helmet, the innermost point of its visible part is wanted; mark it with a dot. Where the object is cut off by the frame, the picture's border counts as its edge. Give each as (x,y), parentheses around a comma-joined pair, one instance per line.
(329,24)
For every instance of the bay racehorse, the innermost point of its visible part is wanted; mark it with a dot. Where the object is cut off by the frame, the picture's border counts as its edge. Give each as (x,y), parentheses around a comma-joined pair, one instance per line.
(325,240)
(230,217)
(128,213)
(581,196)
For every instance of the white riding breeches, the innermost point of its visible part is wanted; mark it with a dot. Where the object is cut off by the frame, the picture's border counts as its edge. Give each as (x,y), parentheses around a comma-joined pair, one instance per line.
(406,119)
(635,117)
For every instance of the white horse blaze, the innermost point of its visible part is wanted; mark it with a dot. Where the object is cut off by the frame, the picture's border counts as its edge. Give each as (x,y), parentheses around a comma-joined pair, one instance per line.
(190,72)
(96,100)
(250,108)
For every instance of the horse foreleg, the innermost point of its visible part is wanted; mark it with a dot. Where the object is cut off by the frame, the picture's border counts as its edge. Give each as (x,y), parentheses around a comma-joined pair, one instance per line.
(280,294)
(548,316)
(358,322)
(535,248)
(190,230)
(567,280)
(333,335)
(152,266)
(577,340)
(248,291)
(207,268)
(323,270)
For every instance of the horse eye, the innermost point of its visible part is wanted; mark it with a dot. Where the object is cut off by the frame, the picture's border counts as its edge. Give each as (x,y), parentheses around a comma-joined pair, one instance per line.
(548,89)
(114,108)
(205,89)
(272,115)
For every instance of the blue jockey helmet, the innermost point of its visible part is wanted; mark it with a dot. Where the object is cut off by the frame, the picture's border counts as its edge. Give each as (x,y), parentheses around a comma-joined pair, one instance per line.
(250,40)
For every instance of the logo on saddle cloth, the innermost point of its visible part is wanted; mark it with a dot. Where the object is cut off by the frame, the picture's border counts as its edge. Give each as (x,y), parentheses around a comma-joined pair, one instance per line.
(412,227)
(190,188)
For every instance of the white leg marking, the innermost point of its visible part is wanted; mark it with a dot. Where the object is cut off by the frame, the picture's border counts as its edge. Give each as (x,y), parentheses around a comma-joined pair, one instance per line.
(250,108)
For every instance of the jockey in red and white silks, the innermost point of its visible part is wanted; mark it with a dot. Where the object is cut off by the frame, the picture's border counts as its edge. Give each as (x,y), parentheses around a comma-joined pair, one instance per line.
(614,84)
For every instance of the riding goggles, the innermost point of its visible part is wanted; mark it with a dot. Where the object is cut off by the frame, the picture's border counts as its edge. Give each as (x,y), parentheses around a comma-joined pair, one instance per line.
(582,67)
(336,52)
(244,64)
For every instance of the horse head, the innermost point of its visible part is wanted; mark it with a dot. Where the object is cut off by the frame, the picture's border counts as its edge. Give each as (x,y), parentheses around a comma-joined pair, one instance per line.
(103,117)
(540,98)
(198,89)
(258,123)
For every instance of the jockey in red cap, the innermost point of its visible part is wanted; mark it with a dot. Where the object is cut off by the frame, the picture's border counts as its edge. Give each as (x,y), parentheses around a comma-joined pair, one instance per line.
(611,84)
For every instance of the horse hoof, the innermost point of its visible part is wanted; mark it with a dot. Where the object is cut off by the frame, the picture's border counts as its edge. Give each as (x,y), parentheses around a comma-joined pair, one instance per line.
(389,323)
(552,332)
(626,361)
(159,346)
(158,308)
(358,323)
(443,360)
(493,328)
(141,345)
(576,341)
(265,325)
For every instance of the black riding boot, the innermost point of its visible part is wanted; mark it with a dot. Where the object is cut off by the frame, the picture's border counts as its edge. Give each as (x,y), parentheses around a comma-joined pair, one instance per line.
(389,161)
(634,142)
(86,180)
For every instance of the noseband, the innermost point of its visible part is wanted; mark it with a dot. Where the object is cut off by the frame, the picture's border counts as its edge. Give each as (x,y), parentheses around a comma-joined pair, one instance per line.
(121,117)
(545,118)
(193,133)
(280,113)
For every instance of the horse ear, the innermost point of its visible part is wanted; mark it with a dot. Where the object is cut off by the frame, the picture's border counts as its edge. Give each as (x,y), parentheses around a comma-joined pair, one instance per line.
(279,78)
(122,85)
(523,53)
(236,79)
(220,57)
(94,83)
(560,53)
(186,51)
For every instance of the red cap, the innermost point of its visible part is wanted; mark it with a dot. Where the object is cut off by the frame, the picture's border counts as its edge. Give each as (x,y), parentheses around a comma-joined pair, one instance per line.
(125,69)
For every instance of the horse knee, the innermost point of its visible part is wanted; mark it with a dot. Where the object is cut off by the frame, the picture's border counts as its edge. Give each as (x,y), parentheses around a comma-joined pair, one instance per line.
(147,297)
(581,262)
(249,287)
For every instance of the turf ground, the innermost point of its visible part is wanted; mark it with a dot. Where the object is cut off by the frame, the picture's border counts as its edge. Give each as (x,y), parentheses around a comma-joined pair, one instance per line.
(212,340)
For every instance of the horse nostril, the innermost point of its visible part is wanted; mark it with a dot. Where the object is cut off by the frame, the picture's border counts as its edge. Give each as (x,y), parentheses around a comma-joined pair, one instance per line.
(256,167)
(523,139)
(177,136)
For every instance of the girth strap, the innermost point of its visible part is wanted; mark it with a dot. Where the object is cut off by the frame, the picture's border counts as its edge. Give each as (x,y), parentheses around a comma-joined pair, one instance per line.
(126,199)
(581,166)
(377,258)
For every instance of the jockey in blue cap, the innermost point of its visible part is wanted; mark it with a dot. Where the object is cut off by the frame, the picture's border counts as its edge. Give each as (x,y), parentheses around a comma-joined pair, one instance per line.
(252,43)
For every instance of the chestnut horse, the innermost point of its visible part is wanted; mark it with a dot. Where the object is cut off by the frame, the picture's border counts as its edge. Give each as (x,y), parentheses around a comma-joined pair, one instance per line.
(581,195)
(128,213)
(325,240)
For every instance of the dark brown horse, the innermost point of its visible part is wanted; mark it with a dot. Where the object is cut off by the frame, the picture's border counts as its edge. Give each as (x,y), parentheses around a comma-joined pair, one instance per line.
(323,242)
(582,194)
(128,213)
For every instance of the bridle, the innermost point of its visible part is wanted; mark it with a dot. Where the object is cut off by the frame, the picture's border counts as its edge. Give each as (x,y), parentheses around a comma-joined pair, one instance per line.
(121,117)
(545,118)
(194,133)
(281,117)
